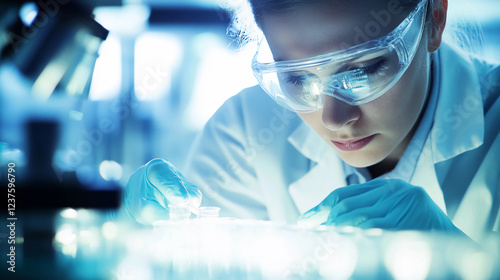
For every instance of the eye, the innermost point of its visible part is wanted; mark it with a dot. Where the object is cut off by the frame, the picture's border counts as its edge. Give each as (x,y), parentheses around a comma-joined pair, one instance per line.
(296,80)
(374,68)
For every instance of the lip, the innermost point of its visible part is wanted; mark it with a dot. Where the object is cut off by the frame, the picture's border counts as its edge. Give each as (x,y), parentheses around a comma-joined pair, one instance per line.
(353,144)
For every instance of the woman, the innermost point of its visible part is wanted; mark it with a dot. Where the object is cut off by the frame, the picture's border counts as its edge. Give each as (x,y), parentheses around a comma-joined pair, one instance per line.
(374,123)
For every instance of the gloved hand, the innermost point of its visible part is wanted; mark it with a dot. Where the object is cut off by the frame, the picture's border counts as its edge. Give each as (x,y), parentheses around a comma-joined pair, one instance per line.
(153,187)
(380,203)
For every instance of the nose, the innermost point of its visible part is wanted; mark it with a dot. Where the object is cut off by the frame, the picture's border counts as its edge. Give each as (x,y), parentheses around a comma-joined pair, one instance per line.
(337,114)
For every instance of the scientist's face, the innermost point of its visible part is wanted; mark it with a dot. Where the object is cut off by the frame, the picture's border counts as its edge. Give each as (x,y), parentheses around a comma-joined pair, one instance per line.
(372,132)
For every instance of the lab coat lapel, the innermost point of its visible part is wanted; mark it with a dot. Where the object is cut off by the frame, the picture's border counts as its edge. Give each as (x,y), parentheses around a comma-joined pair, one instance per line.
(322,179)
(476,209)
(425,176)
(459,126)
(459,119)
(473,214)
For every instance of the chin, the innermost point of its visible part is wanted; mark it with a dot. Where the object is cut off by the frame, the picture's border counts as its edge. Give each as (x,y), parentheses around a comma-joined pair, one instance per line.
(360,160)
(360,163)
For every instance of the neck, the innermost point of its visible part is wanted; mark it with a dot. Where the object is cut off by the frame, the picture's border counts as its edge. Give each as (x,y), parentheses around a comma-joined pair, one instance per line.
(390,162)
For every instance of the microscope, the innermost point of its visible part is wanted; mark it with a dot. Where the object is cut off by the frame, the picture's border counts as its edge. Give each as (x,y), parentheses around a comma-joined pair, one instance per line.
(48,53)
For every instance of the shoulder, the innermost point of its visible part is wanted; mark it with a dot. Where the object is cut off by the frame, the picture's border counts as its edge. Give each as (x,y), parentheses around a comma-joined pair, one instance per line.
(489,80)
(486,74)
(252,110)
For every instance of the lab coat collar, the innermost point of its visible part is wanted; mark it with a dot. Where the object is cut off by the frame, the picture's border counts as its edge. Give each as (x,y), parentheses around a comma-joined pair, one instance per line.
(459,119)
(308,142)
(327,174)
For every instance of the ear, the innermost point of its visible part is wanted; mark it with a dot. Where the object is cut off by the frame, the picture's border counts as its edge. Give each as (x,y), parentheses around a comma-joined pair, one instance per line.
(438,12)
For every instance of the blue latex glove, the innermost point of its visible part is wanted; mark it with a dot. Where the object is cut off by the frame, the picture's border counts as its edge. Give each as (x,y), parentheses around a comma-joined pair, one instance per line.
(380,203)
(153,187)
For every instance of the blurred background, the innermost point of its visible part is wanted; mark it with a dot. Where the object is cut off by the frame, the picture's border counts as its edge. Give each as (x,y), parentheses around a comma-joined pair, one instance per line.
(91,90)
(163,70)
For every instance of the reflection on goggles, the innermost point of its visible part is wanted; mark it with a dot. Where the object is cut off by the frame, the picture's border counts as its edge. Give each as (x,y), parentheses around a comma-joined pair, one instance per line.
(358,78)
(356,75)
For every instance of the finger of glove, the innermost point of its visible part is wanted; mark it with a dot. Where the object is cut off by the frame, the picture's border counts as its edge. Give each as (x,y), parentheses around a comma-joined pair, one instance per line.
(315,219)
(151,211)
(366,199)
(393,218)
(382,223)
(193,191)
(358,216)
(403,207)
(135,191)
(342,193)
(194,194)
(416,210)
(163,176)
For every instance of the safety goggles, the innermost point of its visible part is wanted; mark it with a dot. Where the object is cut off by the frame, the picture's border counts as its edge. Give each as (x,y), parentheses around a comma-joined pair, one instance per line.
(356,75)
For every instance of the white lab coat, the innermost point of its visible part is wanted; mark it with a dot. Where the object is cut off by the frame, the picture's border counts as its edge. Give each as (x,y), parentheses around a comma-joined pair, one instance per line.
(257,160)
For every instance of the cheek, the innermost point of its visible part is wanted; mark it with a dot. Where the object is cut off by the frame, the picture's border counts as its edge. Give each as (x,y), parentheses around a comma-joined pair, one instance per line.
(392,114)
(314,121)
(398,109)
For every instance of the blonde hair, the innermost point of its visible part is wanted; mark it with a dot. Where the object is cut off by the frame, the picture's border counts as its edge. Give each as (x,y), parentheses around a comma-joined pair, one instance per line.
(243,27)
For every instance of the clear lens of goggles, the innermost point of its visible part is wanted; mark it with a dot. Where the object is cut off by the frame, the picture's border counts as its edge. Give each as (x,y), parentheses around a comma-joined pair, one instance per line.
(355,75)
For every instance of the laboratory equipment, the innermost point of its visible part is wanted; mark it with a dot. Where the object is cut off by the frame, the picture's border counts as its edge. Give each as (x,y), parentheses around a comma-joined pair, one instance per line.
(208,212)
(48,52)
(183,212)
(57,52)
(179,212)
(46,69)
